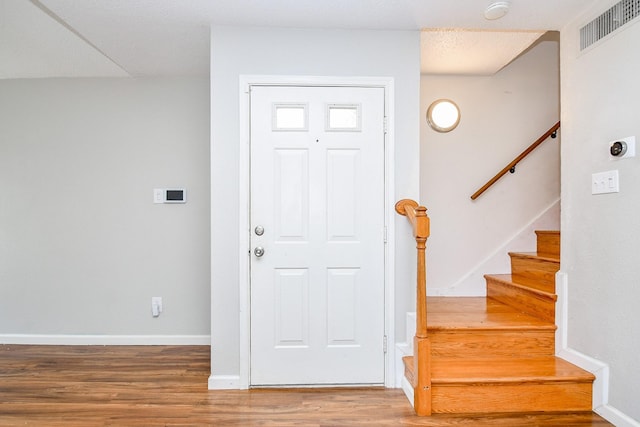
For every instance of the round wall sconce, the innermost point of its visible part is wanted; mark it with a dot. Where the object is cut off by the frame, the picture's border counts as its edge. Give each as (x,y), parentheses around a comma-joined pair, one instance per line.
(443,115)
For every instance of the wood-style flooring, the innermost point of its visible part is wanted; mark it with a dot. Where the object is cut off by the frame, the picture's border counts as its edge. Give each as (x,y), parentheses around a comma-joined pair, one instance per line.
(167,386)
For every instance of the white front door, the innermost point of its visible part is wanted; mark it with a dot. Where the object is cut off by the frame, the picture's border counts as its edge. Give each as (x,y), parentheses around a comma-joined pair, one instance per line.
(317,235)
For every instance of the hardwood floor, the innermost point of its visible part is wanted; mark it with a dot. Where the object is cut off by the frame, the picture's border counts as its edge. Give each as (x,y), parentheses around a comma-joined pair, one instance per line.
(167,386)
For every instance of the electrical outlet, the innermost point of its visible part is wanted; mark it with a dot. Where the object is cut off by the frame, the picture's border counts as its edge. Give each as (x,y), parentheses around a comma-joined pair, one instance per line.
(156,306)
(158,195)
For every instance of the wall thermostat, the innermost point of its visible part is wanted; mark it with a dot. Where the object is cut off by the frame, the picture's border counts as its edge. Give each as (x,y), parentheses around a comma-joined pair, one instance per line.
(622,148)
(618,148)
(169,195)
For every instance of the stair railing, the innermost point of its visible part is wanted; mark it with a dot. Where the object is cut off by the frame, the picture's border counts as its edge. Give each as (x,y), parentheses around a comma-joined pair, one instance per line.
(511,167)
(421,381)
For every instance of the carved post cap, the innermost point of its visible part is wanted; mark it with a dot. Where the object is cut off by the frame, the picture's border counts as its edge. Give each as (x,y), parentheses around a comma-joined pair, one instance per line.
(401,204)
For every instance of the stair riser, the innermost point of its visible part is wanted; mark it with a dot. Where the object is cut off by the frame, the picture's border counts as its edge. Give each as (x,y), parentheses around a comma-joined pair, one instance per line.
(535,273)
(548,243)
(523,300)
(522,397)
(479,344)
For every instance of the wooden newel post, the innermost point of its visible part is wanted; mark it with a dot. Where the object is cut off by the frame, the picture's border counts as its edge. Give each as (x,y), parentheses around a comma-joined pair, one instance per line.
(417,216)
(421,233)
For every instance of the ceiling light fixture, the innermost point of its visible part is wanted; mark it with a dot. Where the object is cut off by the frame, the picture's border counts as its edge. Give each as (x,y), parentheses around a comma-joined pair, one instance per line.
(496,10)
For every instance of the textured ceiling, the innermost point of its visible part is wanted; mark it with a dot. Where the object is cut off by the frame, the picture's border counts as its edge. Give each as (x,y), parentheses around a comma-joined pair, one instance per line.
(71,38)
(32,45)
(477,52)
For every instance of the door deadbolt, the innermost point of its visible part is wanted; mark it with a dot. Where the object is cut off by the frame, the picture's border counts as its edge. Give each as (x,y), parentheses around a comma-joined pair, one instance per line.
(259,230)
(258,251)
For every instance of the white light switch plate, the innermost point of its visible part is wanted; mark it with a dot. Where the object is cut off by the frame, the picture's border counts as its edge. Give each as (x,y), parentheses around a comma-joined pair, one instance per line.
(605,182)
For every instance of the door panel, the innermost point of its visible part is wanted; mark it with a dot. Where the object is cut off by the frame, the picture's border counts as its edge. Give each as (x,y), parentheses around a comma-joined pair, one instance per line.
(317,189)
(291,308)
(342,307)
(291,199)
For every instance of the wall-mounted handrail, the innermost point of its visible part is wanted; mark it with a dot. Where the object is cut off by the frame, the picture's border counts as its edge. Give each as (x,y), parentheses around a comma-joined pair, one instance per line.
(417,216)
(511,166)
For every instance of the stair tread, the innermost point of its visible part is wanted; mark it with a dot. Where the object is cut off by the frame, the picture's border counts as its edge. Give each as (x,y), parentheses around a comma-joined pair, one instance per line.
(506,370)
(535,255)
(457,313)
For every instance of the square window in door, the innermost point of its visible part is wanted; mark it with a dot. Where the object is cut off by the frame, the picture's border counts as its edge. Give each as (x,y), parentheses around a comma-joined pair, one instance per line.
(343,118)
(290,117)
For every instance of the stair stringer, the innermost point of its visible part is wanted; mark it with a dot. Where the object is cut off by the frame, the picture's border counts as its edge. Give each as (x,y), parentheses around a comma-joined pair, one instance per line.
(472,283)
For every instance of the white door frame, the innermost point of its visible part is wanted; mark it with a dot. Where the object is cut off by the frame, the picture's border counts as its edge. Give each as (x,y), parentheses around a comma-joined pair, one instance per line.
(244,232)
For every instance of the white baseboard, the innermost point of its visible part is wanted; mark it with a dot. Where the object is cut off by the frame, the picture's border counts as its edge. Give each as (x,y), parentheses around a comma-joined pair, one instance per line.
(402,350)
(408,389)
(616,417)
(596,367)
(224,382)
(600,387)
(34,339)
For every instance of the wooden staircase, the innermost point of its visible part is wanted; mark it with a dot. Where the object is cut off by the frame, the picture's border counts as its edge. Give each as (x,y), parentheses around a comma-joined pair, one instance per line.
(497,354)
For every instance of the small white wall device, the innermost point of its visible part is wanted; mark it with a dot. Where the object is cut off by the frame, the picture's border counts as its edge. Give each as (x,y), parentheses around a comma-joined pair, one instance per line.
(169,195)
(622,148)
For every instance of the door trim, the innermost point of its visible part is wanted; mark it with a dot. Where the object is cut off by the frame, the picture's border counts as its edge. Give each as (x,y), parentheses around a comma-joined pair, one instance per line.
(244,232)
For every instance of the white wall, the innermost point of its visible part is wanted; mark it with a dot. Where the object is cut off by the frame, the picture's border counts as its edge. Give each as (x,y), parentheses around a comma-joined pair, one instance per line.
(82,247)
(601,234)
(501,115)
(269,51)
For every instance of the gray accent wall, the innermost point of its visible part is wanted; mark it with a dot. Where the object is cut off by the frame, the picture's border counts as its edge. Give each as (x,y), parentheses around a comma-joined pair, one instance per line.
(82,246)
(601,233)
